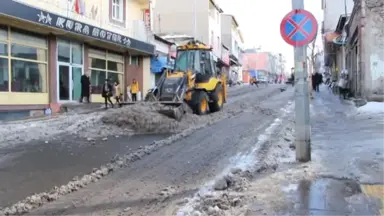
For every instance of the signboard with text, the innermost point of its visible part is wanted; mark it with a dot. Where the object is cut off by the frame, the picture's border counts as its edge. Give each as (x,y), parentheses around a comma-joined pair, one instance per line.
(22,11)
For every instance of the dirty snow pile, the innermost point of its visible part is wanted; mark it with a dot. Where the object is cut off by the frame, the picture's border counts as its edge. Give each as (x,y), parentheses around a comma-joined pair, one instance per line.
(145,118)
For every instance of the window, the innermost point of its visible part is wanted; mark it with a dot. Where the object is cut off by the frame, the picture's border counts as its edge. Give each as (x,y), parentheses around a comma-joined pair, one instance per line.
(212,38)
(77,54)
(4,80)
(135,60)
(23,61)
(63,51)
(185,60)
(105,65)
(69,52)
(117,10)
(197,60)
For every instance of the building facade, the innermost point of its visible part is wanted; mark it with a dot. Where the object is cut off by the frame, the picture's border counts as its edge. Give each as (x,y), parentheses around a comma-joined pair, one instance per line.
(233,38)
(357,45)
(264,63)
(365,49)
(178,18)
(332,13)
(46,46)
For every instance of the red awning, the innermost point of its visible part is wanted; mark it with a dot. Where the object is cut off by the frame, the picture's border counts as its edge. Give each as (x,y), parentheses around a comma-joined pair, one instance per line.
(331,36)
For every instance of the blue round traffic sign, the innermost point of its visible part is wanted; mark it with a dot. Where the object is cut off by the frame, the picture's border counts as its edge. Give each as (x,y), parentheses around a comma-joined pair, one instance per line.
(299,27)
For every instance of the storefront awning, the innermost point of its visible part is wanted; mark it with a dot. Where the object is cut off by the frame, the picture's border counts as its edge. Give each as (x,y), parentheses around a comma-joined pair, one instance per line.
(158,63)
(24,12)
(335,37)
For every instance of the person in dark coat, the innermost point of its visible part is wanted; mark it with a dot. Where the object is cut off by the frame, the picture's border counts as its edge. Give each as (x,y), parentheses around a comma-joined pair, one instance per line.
(293,79)
(318,81)
(314,81)
(107,93)
(85,87)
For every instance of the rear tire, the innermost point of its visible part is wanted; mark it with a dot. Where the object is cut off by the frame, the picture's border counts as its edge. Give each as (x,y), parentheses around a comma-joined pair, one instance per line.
(200,102)
(217,99)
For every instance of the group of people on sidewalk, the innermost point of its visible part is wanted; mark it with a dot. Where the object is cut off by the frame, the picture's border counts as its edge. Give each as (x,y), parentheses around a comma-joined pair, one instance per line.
(108,91)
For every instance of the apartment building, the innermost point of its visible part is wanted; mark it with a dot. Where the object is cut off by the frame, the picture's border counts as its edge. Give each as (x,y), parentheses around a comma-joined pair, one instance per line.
(47,45)
(233,38)
(172,17)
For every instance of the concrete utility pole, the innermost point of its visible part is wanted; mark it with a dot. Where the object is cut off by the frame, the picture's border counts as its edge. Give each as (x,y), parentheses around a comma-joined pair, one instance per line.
(302,117)
(195,19)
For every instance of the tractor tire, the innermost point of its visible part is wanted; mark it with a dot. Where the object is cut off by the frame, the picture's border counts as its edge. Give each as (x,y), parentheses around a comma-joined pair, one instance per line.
(199,102)
(217,99)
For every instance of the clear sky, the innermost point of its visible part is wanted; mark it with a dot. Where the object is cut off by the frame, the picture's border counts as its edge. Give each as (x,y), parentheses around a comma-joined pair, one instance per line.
(259,21)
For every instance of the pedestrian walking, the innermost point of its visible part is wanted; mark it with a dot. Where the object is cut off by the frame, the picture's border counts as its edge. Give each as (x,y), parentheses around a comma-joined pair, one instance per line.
(343,82)
(107,93)
(118,95)
(320,81)
(85,87)
(313,81)
(134,89)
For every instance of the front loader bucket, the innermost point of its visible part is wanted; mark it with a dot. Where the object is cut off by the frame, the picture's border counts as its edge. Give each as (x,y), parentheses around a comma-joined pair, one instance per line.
(173,110)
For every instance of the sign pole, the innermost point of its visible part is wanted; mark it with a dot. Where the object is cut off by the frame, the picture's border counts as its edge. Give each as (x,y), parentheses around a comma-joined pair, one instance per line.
(302,115)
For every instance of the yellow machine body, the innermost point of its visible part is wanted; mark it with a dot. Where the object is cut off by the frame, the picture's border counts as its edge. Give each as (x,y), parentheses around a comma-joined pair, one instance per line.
(194,82)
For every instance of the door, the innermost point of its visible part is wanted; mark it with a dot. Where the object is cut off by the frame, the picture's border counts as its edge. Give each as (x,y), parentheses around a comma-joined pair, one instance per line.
(64,82)
(69,70)
(76,82)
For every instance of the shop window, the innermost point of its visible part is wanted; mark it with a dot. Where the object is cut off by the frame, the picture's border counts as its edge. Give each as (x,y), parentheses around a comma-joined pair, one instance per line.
(3,49)
(69,52)
(97,80)
(31,53)
(3,33)
(4,80)
(27,71)
(28,39)
(115,77)
(105,65)
(115,66)
(77,54)
(28,76)
(98,63)
(63,51)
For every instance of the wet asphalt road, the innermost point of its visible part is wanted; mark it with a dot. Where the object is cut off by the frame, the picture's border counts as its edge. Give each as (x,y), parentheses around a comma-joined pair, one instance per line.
(37,166)
(185,165)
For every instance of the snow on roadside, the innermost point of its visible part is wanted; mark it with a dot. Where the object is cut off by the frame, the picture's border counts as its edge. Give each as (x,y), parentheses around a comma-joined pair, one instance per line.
(371,108)
(227,194)
(77,183)
(80,124)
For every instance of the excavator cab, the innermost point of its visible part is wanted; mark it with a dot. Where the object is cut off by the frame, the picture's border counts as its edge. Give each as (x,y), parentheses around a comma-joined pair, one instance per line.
(194,84)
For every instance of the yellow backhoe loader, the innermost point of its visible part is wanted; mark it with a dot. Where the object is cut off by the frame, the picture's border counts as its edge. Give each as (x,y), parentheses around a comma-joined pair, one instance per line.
(195,84)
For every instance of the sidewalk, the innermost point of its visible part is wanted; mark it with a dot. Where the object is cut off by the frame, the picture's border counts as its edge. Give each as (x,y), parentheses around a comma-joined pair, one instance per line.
(345,176)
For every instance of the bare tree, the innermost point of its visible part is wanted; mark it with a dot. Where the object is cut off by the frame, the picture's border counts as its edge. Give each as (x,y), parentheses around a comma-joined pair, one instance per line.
(312,56)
